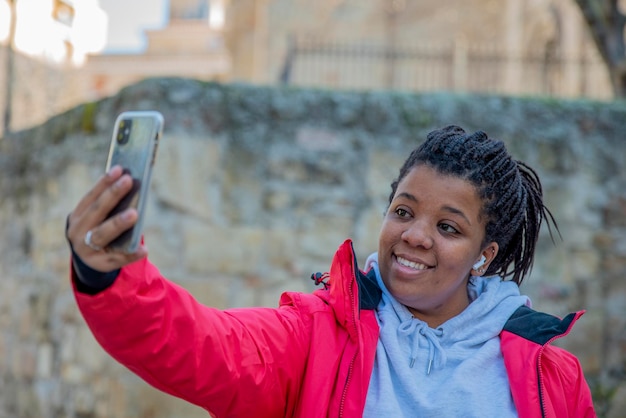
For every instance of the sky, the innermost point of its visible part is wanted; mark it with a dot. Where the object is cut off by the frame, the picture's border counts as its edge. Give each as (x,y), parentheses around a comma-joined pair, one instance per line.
(126,21)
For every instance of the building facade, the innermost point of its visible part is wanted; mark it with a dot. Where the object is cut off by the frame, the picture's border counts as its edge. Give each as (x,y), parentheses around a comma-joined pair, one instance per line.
(42,42)
(516,47)
(191,44)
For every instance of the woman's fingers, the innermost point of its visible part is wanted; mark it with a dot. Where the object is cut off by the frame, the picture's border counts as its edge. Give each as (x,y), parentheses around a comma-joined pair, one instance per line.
(92,247)
(102,184)
(107,199)
(96,204)
(100,236)
(89,232)
(88,240)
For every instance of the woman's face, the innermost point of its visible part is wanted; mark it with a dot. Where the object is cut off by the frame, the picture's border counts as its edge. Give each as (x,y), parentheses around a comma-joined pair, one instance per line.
(431,236)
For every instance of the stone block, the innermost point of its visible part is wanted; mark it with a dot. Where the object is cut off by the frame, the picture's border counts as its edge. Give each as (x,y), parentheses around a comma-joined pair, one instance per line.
(72,374)
(183,170)
(25,361)
(214,249)
(322,240)
(45,361)
(366,234)
(270,294)
(83,401)
(213,291)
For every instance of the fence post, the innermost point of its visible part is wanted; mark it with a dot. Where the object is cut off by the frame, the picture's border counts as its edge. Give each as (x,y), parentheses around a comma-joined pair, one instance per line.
(459,65)
(573,44)
(285,73)
(513,46)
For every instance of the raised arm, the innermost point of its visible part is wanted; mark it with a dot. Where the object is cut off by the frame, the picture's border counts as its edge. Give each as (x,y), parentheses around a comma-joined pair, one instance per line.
(245,362)
(242,362)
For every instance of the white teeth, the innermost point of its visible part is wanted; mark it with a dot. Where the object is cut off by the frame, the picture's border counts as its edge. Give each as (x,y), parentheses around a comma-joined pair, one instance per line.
(411,264)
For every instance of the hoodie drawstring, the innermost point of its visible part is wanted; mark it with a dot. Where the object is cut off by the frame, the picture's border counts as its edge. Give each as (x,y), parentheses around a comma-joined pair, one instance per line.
(410,327)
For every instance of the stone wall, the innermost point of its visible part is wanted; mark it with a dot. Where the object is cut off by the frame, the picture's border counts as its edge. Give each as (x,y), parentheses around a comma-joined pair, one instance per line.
(255,188)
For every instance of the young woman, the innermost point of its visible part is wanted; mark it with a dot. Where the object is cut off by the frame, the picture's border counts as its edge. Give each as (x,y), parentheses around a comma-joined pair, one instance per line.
(434,325)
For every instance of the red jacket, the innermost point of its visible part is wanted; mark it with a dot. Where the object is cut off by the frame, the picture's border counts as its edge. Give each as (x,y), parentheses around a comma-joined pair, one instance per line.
(311,357)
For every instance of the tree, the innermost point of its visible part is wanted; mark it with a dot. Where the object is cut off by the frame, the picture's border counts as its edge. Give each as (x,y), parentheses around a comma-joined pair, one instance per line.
(606,24)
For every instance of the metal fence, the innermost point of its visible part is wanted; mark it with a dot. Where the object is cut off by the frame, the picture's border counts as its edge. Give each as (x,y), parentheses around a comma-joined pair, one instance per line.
(452,67)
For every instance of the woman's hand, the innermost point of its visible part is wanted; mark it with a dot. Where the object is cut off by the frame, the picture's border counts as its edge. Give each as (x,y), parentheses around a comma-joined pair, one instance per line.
(88,231)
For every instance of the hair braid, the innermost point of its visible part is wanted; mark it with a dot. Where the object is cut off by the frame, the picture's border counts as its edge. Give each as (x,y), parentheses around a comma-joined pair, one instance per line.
(510,190)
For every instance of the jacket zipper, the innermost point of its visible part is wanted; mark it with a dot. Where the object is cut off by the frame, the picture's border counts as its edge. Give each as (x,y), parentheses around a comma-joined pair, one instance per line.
(540,382)
(345,389)
(355,314)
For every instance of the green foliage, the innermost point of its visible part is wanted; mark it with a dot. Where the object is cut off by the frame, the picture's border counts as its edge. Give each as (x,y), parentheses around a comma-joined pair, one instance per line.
(88,121)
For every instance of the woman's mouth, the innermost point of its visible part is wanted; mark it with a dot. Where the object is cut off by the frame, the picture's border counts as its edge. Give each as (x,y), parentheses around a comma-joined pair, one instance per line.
(411,264)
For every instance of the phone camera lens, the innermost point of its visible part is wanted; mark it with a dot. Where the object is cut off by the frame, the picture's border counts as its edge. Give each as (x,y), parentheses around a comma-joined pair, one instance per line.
(123,131)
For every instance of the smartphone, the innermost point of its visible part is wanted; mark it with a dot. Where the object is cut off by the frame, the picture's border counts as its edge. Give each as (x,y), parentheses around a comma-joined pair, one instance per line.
(134,144)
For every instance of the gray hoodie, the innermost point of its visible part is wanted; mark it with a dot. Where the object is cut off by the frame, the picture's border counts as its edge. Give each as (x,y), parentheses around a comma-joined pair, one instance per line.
(455,370)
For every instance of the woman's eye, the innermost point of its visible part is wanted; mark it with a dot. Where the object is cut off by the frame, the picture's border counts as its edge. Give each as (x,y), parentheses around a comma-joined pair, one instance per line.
(403,213)
(448,228)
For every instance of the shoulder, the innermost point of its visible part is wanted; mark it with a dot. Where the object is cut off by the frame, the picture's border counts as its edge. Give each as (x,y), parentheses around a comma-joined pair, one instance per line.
(306,305)
(526,341)
(565,383)
(529,333)
(561,361)
(539,327)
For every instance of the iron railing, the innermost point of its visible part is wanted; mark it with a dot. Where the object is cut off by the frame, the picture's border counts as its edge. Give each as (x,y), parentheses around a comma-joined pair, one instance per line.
(452,67)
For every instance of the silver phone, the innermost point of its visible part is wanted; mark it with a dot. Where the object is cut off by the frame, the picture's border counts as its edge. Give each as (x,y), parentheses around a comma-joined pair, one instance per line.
(134,144)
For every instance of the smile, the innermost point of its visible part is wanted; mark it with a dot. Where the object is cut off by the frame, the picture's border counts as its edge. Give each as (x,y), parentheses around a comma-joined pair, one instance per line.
(411,264)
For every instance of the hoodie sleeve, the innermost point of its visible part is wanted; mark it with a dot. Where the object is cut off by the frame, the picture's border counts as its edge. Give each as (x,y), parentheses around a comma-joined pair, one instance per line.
(240,362)
(88,280)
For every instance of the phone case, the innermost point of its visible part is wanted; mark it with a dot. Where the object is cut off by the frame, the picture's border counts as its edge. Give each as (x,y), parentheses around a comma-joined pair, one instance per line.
(134,145)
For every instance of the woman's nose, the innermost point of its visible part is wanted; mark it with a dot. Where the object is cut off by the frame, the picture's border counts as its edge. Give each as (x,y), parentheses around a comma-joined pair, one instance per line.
(418,234)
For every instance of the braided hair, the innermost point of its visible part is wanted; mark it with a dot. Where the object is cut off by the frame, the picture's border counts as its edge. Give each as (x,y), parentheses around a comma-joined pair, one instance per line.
(509,189)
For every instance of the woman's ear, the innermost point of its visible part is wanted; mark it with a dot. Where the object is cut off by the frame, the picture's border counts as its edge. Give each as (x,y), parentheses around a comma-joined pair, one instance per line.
(477,265)
(486,257)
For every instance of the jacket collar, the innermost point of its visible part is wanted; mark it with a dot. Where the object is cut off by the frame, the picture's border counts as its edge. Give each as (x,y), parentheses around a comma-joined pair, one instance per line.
(347,289)
(539,327)
(369,292)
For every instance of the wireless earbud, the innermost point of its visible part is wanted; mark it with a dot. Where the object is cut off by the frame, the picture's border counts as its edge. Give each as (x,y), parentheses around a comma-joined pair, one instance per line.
(480,262)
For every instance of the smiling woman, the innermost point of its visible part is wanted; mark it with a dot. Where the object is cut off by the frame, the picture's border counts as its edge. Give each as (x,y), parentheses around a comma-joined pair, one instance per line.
(433,233)
(433,325)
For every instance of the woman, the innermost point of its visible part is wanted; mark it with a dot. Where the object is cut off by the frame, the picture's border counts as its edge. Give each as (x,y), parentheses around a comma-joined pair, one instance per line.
(429,328)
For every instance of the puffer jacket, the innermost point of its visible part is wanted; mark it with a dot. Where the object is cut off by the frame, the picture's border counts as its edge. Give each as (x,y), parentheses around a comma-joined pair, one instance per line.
(311,357)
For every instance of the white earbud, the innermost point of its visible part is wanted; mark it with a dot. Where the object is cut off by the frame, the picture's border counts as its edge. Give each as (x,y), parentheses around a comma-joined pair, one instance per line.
(480,262)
